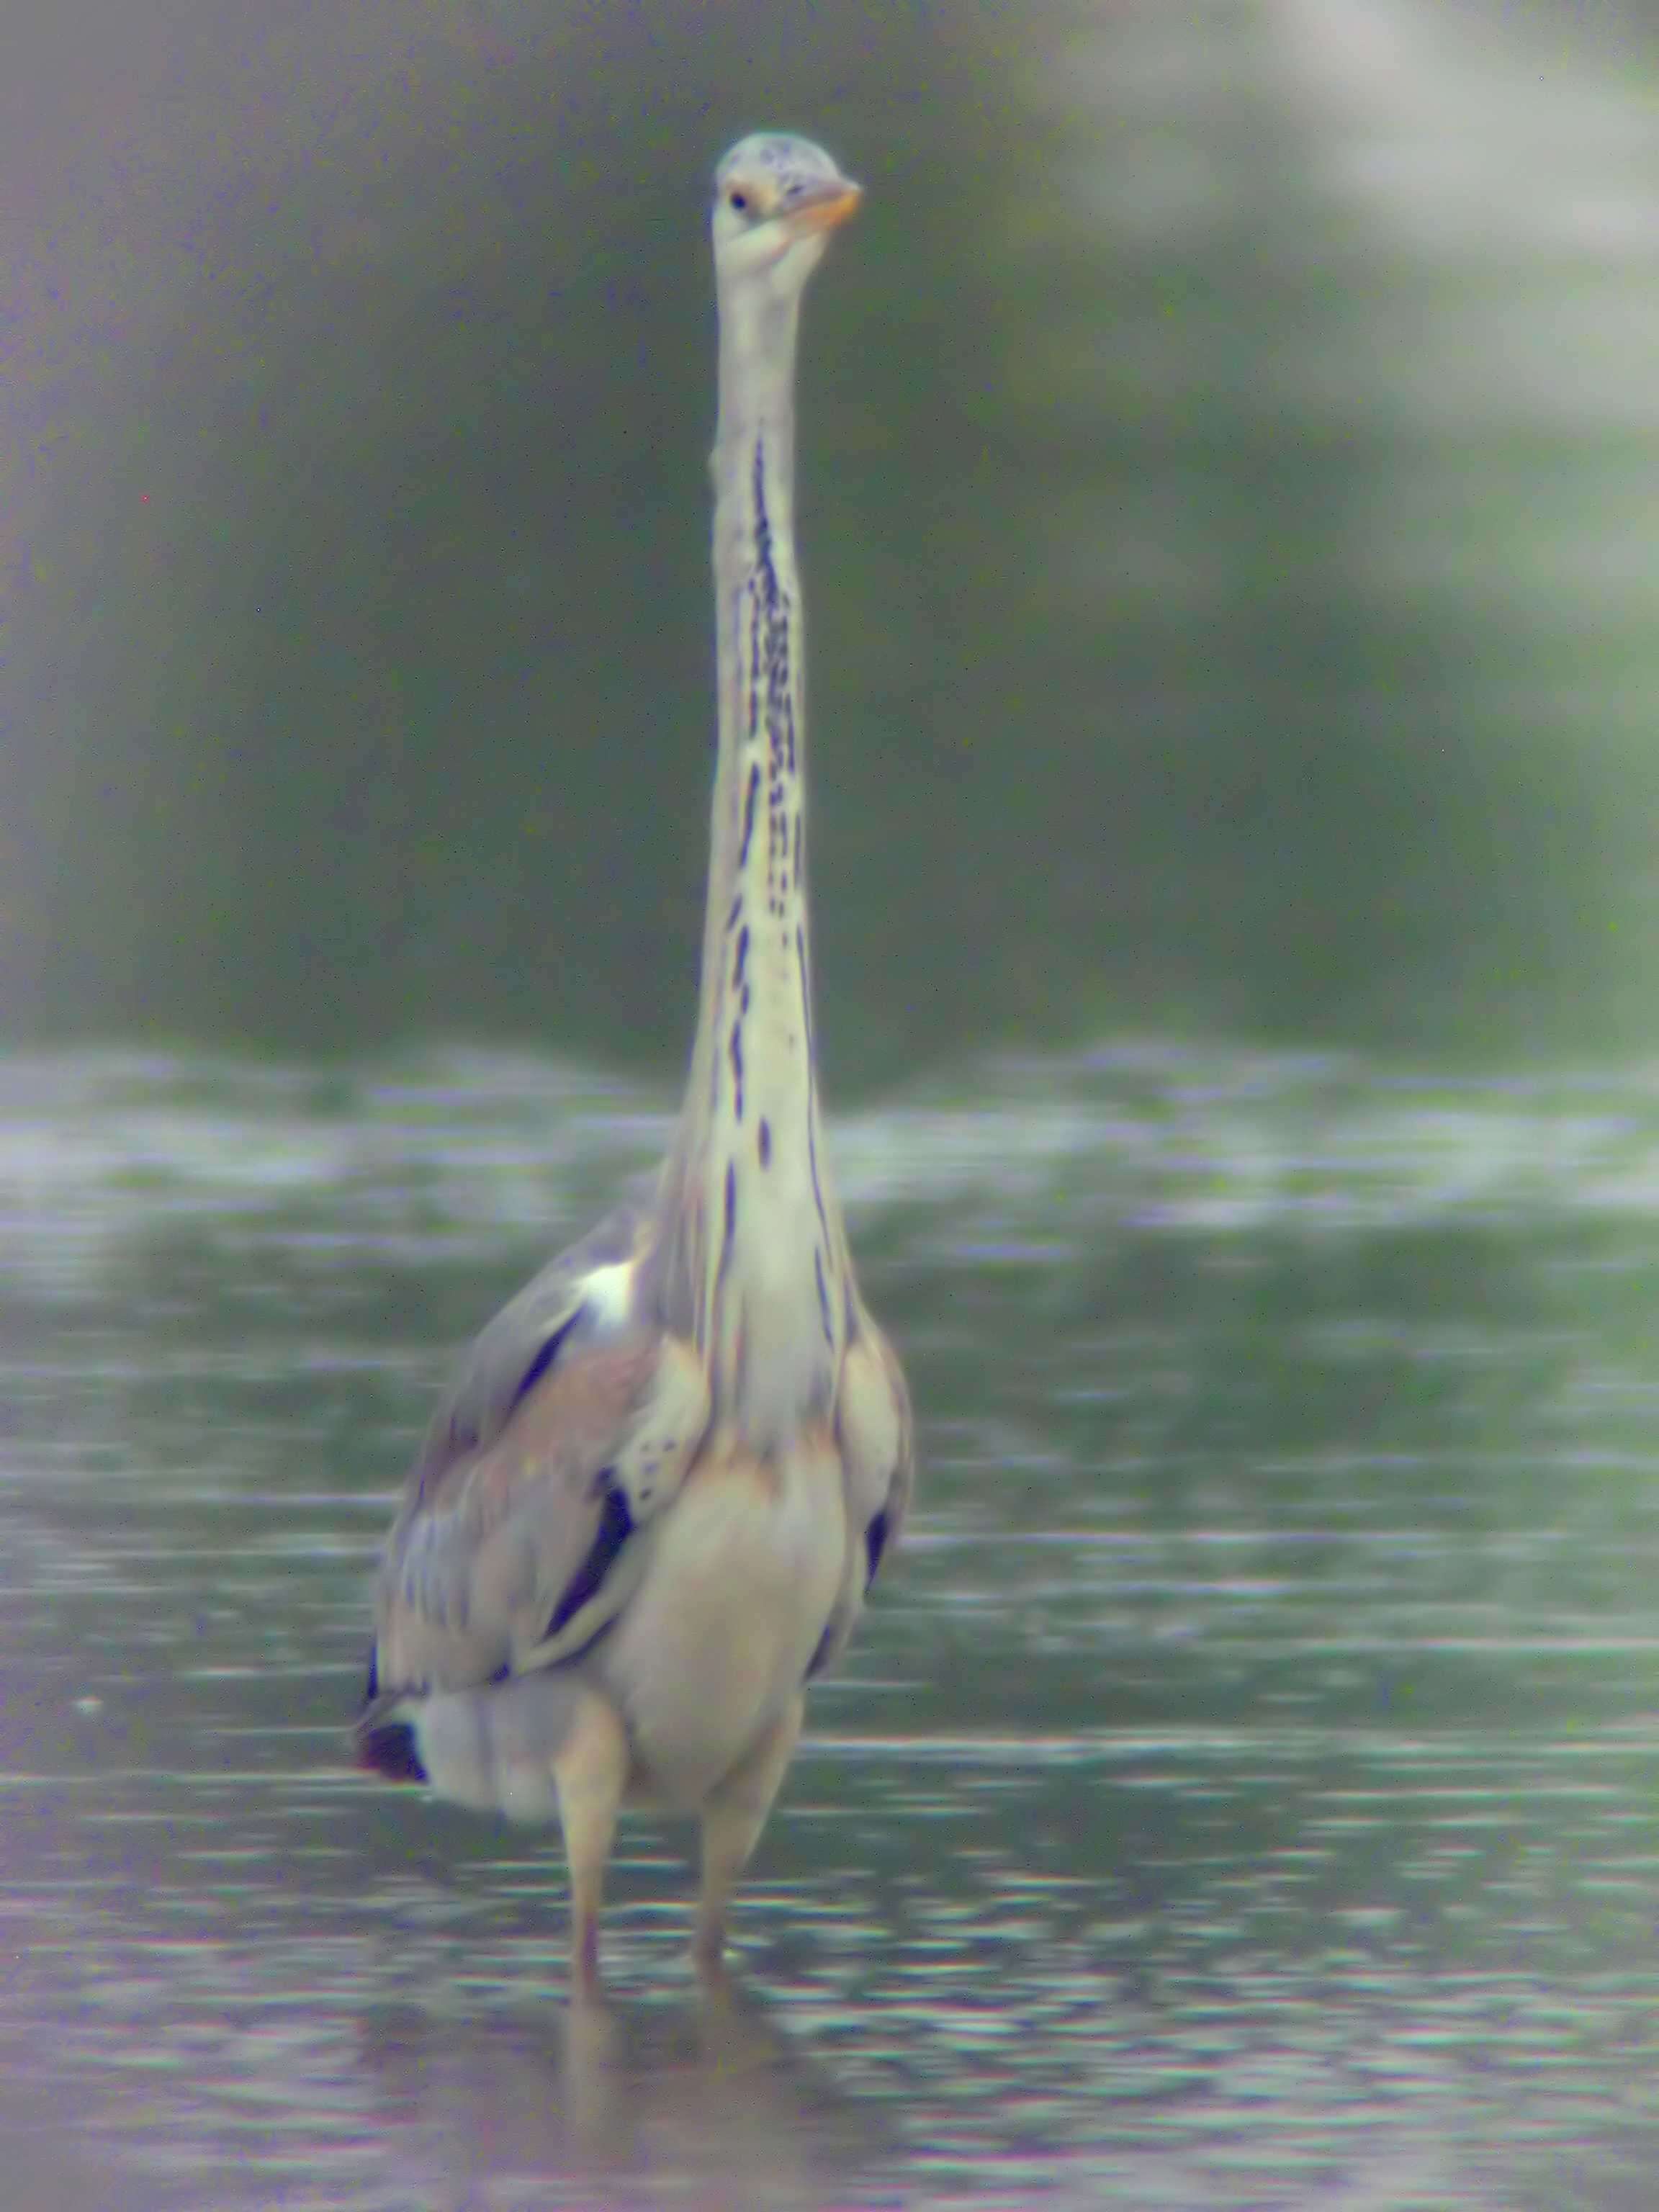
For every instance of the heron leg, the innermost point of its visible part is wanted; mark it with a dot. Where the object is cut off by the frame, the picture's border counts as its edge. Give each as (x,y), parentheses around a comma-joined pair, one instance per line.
(732,1819)
(590,1773)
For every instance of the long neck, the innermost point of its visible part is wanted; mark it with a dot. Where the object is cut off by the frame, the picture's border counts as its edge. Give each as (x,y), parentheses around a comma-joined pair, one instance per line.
(761,1256)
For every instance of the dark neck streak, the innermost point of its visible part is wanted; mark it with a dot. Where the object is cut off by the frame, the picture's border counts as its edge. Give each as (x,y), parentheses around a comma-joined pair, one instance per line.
(758,1254)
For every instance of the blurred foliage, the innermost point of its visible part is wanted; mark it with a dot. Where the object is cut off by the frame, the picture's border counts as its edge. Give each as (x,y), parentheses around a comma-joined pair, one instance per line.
(1230,589)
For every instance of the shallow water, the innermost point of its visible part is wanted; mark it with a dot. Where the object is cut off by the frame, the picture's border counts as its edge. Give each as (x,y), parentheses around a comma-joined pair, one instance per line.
(1239,1796)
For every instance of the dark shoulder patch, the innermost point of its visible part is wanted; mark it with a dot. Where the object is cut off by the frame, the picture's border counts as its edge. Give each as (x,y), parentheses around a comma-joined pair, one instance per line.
(615,1527)
(546,1353)
(875,1543)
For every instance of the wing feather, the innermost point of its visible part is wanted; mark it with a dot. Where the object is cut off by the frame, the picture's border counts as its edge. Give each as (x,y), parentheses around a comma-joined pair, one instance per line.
(513,1350)
(874,1433)
(877,1442)
(568,1424)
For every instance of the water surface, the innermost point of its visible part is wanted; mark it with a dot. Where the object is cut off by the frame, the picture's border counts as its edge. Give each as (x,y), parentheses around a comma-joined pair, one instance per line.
(1239,1796)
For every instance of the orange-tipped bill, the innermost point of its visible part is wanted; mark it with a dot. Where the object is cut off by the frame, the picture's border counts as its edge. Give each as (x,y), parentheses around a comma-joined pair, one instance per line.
(828,213)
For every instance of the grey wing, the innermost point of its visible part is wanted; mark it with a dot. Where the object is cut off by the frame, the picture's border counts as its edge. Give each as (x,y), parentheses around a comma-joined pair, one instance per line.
(569,1424)
(877,1442)
(874,1432)
(517,1345)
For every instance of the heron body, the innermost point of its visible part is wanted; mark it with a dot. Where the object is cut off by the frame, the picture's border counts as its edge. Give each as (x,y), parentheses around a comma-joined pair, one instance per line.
(649,1509)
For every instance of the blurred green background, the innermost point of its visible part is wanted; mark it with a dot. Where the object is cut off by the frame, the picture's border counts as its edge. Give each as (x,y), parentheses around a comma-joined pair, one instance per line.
(1228,508)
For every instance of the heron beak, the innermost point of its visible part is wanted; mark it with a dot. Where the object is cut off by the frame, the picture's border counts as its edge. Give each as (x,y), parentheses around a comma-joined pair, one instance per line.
(838,203)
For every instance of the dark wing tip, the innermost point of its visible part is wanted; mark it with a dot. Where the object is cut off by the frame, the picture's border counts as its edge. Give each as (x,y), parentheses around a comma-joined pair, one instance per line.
(388,1748)
(383,1743)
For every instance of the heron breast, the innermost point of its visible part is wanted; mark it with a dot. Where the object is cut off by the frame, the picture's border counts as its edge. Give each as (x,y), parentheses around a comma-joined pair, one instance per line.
(743,1577)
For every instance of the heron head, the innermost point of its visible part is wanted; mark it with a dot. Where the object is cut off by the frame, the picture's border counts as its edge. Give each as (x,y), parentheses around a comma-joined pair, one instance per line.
(776,200)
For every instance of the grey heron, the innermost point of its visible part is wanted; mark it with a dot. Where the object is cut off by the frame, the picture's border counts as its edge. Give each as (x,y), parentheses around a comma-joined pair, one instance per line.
(648,1508)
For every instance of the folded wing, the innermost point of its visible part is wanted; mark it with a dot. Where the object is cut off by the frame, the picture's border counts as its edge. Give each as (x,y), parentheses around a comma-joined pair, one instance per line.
(568,1427)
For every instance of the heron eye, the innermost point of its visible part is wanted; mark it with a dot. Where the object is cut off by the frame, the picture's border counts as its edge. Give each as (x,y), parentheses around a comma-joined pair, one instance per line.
(737,202)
